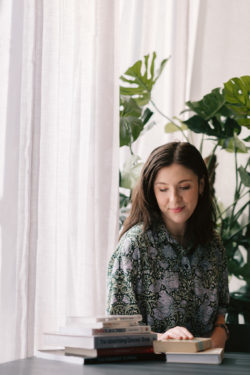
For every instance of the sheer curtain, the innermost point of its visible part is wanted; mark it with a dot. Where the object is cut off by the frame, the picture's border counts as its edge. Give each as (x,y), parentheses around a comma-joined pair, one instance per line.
(169,28)
(59,137)
(59,176)
(208,43)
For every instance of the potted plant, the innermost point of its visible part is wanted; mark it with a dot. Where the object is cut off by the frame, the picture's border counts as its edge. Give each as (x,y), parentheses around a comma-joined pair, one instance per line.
(219,117)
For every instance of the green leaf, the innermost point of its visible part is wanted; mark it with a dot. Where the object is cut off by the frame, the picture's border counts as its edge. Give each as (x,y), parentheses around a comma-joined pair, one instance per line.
(198,125)
(171,127)
(233,144)
(124,200)
(133,119)
(245,272)
(146,115)
(209,105)
(247,139)
(141,78)
(244,122)
(131,172)
(216,127)
(237,96)
(245,176)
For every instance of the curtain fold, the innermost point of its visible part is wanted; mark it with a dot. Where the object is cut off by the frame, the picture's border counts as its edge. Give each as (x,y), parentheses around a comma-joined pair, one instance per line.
(78,188)
(59,141)
(60,177)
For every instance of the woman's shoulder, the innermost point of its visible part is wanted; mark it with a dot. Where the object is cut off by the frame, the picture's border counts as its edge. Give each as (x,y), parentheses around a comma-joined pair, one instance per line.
(133,235)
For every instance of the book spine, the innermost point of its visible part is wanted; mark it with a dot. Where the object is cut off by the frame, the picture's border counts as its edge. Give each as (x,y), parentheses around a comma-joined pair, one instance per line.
(202,345)
(123,351)
(124,341)
(104,319)
(130,329)
(110,318)
(104,331)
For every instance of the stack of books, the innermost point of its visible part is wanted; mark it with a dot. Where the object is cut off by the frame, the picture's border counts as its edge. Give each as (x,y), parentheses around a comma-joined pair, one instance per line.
(197,350)
(101,339)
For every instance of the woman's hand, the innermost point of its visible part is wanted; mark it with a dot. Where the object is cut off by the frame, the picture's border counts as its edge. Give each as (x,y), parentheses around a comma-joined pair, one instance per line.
(179,333)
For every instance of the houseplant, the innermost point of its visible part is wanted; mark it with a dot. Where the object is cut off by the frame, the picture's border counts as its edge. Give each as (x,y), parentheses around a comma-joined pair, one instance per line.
(219,118)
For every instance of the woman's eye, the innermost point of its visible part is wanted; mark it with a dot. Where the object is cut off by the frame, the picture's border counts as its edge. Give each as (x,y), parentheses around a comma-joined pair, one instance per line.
(184,187)
(163,190)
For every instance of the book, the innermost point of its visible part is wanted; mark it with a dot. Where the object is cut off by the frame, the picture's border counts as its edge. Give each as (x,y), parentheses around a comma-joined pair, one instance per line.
(109,351)
(59,355)
(209,356)
(96,342)
(88,331)
(102,318)
(187,346)
(99,325)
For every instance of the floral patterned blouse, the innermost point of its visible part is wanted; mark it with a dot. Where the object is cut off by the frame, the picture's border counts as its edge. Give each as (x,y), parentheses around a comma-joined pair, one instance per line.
(153,275)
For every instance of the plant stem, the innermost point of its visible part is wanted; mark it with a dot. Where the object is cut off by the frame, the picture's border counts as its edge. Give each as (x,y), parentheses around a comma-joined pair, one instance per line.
(238,231)
(201,144)
(228,208)
(130,149)
(237,187)
(169,119)
(211,156)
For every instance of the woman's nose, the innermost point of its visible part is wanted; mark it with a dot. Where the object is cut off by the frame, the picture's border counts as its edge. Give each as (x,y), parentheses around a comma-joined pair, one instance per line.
(174,195)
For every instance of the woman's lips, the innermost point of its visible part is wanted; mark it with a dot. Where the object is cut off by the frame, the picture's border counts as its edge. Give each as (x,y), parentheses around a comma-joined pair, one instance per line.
(177,209)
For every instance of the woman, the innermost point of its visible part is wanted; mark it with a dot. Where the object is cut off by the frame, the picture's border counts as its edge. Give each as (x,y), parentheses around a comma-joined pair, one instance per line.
(170,265)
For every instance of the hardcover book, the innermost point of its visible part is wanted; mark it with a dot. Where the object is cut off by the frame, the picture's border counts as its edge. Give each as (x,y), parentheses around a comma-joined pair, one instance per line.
(102,318)
(96,342)
(109,351)
(209,356)
(88,331)
(184,346)
(59,355)
(106,321)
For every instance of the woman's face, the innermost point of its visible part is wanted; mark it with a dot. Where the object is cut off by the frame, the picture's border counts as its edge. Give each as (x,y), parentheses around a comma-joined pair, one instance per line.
(177,191)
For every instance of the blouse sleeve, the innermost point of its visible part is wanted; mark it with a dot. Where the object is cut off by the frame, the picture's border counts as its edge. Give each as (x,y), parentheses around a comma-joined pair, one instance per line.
(223,279)
(122,276)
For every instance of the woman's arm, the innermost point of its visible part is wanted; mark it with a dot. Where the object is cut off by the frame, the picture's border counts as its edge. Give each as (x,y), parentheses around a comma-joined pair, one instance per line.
(122,275)
(220,333)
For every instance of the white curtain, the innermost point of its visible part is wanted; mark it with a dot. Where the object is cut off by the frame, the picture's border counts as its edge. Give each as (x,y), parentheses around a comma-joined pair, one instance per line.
(208,41)
(59,137)
(169,28)
(222,51)
(59,175)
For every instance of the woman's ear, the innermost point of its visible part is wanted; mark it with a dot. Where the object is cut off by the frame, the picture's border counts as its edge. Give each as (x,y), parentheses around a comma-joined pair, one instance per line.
(201,185)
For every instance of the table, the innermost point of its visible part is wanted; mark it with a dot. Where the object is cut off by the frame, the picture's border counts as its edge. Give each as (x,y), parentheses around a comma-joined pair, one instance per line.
(234,363)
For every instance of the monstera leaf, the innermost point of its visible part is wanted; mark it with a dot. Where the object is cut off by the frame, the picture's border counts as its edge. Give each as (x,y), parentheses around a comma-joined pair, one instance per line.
(237,96)
(133,119)
(221,114)
(216,127)
(134,96)
(233,144)
(140,79)
(209,105)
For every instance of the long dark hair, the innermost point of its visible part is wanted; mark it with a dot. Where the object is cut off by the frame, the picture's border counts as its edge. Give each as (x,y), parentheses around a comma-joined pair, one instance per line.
(201,225)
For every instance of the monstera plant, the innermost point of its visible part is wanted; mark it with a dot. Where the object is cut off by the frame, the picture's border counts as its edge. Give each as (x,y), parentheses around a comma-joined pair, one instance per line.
(135,118)
(222,118)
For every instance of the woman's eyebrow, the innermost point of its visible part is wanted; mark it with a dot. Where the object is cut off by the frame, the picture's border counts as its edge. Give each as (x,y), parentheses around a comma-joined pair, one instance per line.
(166,183)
